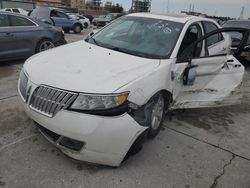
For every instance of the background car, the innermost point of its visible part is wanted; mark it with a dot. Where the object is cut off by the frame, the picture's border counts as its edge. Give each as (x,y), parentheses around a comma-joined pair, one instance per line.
(237,37)
(89,17)
(16,10)
(22,36)
(85,21)
(103,20)
(57,18)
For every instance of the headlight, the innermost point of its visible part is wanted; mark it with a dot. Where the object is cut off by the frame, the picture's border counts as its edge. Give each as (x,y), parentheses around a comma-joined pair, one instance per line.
(98,102)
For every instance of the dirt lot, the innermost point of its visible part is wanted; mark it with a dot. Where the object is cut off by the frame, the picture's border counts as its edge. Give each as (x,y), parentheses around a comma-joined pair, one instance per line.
(199,148)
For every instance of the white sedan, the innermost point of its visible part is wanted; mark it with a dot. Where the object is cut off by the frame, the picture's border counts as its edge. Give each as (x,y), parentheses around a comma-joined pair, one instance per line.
(95,99)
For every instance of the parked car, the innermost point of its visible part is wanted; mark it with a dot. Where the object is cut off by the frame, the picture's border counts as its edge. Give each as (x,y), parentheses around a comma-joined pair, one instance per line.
(89,17)
(22,36)
(57,18)
(116,86)
(237,37)
(16,10)
(103,20)
(84,21)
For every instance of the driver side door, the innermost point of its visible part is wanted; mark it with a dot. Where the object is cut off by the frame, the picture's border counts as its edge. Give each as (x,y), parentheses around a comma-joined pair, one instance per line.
(206,81)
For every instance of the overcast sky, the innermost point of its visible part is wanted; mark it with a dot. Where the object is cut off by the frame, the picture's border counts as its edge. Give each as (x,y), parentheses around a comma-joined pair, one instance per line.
(211,7)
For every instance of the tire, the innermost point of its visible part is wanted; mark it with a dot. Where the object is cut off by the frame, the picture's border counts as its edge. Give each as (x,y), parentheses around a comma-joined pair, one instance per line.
(44,44)
(86,25)
(157,112)
(77,28)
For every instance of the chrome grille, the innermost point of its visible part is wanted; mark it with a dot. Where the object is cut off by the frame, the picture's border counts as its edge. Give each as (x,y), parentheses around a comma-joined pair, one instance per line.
(23,84)
(49,101)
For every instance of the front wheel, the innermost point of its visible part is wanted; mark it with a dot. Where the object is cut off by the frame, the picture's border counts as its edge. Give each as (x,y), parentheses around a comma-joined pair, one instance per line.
(157,114)
(77,28)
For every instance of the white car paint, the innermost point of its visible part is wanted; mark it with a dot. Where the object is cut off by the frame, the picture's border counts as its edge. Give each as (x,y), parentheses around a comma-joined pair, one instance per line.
(84,21)
(16,10)
(87,68)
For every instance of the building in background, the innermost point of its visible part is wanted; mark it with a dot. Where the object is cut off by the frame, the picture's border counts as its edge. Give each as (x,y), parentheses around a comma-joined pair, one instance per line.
(94,4)
(54,3)
(140,6)
(26,5)
(108,5)
(78,4)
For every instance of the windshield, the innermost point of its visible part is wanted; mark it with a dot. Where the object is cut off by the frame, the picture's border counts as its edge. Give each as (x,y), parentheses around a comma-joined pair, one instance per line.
(144,37)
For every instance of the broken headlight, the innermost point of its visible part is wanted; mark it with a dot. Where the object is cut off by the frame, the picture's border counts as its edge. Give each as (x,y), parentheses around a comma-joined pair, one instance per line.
(98,102)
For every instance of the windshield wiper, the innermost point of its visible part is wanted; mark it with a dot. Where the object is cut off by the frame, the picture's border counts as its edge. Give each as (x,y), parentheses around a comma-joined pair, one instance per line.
(122,50)
(135,53)
(95,42)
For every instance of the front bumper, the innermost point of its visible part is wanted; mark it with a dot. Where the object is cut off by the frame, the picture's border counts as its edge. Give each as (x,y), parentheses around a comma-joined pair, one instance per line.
(106,139)
(60,42)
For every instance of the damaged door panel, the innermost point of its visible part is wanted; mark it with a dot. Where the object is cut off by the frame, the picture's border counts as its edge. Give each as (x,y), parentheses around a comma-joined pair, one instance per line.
(216,76)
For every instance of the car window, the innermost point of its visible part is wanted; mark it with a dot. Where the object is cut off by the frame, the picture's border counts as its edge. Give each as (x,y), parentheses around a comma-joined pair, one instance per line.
(20,21)
(8,10)
(58,14)
(193,33)
(15,10)
(209,27)
(4,22)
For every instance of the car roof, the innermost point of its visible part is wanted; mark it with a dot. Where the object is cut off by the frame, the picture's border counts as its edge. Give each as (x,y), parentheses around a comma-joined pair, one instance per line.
(172,17)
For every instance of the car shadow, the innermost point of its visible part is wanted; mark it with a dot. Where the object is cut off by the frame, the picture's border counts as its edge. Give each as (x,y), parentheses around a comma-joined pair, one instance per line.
(12,62)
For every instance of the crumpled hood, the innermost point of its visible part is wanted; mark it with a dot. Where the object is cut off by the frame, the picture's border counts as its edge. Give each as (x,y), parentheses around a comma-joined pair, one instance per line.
(83,67)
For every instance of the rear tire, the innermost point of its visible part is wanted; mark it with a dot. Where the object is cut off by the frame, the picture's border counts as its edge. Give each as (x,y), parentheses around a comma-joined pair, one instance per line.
(86,25)
(44,44)
(77,28)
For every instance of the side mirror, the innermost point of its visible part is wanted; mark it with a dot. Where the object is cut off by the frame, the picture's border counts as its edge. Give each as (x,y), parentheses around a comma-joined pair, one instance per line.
(189,75)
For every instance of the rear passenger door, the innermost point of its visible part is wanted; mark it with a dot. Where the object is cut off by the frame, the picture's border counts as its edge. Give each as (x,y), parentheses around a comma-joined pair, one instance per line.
(216,44)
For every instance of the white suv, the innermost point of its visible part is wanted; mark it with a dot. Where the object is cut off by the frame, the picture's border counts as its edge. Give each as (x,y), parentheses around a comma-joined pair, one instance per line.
(94,99)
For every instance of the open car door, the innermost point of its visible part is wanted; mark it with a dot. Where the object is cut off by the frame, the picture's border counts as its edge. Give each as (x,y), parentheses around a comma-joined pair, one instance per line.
(207,81)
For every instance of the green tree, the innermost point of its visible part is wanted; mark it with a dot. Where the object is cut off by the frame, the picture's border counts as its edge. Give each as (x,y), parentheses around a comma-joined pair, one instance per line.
(116,8)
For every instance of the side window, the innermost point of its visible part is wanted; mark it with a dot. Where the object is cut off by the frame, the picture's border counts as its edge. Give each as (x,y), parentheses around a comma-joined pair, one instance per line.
(55,13)
(209,27)
(62,15)
(4,22)
(20,21)
(193,33)
(15,10)
(8,10)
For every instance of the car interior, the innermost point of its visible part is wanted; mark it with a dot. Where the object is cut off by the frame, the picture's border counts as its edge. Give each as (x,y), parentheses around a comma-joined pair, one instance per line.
(193,33)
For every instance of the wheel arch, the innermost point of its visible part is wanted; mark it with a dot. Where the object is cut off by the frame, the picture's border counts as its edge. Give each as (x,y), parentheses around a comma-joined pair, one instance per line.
(40,40)
(78,23)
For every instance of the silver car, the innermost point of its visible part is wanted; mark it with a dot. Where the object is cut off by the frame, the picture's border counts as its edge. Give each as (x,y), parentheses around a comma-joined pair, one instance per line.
(22,36)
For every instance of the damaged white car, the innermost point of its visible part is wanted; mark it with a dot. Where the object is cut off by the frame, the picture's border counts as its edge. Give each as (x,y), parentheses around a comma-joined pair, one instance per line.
(93,99)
